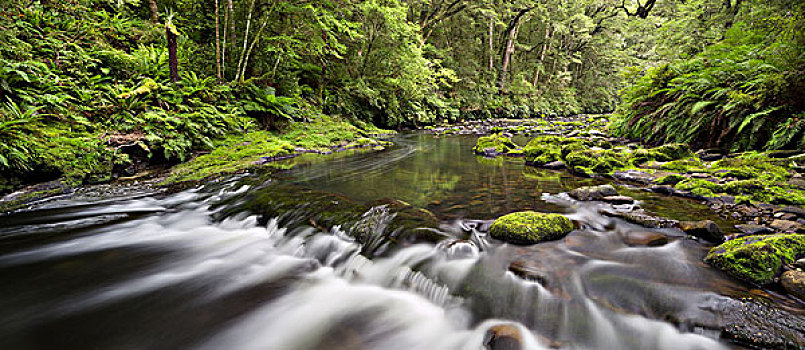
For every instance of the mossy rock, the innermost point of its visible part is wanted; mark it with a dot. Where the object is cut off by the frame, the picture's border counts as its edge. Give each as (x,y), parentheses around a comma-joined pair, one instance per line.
(757,259)
(500,144)
(596,161)
(530,227)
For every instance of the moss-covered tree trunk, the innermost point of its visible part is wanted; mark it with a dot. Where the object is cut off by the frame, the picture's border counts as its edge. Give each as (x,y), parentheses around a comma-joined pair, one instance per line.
(173,58)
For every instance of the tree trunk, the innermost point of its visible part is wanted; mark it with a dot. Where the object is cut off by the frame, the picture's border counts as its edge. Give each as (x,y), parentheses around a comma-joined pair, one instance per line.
(491,43)
(173,58)
(223,45)
(217,42)
(152,4)
(545,47)
(238,76)
(507,57)
(508,50)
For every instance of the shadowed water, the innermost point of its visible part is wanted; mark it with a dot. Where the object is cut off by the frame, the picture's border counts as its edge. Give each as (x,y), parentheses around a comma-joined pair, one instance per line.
(374,251)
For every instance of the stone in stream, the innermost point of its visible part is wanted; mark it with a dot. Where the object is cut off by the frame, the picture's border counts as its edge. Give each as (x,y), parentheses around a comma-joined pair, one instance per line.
(753,229)
(787,226)
(757,259)
(640,217)
(758,324)
(503,337)
(557,165)
(800,264)
(530,227)
(618,200)
(645,239)
(794,283)
(593,193)
(637,176)
(705,229)
(526,271)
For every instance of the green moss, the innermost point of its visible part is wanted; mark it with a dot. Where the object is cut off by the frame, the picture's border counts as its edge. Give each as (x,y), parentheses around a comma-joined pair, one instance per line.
(243,152)
(753,165)
(500,144)
(596,161)
(672,179)
(685,165)
(530,227)
(757,259)
(699,187)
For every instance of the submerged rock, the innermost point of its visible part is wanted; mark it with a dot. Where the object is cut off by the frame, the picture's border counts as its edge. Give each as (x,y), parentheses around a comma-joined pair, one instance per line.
(757,259)
(593,193)
(530,227)
(794,283)
(705,229)
(645,239)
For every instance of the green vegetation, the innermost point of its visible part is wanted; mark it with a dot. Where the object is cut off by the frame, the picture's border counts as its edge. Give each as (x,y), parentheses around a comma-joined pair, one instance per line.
(757,259)
(530,227)
(242,152)
(743,93)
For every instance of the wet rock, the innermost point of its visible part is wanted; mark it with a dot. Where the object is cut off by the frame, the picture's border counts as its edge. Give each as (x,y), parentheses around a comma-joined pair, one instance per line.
(794,283)
(530,227)
(645,239)
(705,229)
(800,264)
(787,226)
(799,212)
(758,324)
(528,272)
(618,200)
(557,165)
(634,176)
(641,218)
(593,193)
(752,229)
(503,337)
(757,259)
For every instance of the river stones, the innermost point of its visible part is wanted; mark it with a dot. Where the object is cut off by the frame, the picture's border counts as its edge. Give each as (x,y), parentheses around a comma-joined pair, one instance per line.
(593,193)
(530,227)
(794,283)
(757,259)
(705,229)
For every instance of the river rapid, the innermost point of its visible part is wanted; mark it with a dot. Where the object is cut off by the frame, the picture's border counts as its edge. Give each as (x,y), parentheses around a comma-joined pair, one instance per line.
(384,250)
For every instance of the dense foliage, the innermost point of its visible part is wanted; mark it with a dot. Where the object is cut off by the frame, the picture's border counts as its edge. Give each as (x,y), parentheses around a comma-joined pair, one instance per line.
(746,92)
(85,85)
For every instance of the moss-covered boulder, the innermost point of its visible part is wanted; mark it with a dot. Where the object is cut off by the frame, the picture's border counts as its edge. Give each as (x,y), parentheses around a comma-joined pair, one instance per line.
(596,161)
(547,149)
(757,259)
(494,144)
(530,227)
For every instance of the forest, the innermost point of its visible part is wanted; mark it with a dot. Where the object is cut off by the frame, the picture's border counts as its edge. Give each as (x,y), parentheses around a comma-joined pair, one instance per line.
(402,174)
(82,80)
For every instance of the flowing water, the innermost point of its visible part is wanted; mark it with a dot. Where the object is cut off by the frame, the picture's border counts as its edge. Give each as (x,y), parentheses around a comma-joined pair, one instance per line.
(373,251)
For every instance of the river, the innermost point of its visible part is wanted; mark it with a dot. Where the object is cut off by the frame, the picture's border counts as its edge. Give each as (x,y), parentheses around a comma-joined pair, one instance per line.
(383,250)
